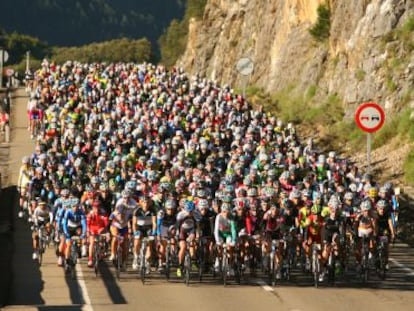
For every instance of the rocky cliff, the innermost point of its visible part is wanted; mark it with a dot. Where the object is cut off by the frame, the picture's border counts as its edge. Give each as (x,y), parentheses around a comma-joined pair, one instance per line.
(368,55)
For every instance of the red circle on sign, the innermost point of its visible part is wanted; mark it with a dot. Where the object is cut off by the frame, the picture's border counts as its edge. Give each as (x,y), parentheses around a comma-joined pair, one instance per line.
(371,113)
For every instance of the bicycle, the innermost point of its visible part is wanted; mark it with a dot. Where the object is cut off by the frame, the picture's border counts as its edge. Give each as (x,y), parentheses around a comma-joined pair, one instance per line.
(381,252)
(201,257)
(74,254)
(316,264)
(99,250)
(143,262)
(224,264)
(331,266)
(118,261)
(187,264)
(43,242)
(170,256)
(274,263)
(364,272)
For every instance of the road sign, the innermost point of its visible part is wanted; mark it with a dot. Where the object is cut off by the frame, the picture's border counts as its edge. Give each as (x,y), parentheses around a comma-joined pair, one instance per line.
(9,72)
(245,66)
(370,117)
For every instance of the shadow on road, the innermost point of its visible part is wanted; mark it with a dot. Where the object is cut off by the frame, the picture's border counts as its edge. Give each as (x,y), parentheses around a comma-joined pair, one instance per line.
(27,283)
(111,285)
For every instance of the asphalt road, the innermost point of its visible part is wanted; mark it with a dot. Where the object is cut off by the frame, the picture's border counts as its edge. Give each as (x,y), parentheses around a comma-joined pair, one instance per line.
(48,288)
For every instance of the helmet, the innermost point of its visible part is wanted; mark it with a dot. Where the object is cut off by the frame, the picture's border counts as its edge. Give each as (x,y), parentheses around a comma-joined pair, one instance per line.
(372,192)
(353,187)
(316,209)
(388,186)
(103,186)
(201,193)
(170,204)
(202,204)
(225,207)
(25,160)
(366,205)
(189,206)
(383,190)
(295,194)
(252,192)
(381,204)
(125,194)
(348,196)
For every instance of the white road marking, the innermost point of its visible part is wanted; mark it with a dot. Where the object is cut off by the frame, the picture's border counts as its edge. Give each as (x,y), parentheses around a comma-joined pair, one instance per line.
(265,286)
(402,266)
(82,285)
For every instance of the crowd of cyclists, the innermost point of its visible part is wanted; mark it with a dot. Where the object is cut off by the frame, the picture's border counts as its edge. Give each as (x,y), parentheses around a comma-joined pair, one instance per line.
(135,151)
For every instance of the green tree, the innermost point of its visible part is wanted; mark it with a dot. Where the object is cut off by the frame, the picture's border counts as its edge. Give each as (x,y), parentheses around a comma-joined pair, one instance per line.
(320,31)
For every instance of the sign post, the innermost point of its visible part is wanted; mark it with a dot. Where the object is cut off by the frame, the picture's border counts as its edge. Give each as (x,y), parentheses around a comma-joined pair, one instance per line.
(245,67)
(369,117)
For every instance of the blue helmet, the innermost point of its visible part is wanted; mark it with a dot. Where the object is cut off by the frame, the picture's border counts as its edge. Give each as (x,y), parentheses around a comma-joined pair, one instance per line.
(189,206)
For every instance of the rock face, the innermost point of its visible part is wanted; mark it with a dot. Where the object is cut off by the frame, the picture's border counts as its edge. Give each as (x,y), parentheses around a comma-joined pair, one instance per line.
(364,58)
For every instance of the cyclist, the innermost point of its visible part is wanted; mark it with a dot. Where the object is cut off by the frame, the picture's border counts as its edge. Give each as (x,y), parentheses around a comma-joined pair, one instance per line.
(97,223)
(385,226)
(61,205)
(333,227)
(225,232)
(273,221)
(206,229)
(314,224)
(23,182)
(120,223)
(166,230)
(42,216)
(74,223)
(144,224)
(187,227)
(366,228)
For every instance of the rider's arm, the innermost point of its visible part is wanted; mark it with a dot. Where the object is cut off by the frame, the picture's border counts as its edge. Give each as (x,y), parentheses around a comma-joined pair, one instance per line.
(84,227)
(216,228)
(249,224)
(159,220)
(233,231)
(65,223)
(154,224)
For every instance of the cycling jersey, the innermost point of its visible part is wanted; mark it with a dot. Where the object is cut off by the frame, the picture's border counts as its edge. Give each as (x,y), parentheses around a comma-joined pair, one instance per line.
(42,216)
(72,220)
(224,230)
(96,222)
(186,224)
(165,222)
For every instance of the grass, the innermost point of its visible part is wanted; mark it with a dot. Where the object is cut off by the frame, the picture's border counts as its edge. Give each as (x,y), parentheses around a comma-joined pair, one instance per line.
(360,74)
(409,168)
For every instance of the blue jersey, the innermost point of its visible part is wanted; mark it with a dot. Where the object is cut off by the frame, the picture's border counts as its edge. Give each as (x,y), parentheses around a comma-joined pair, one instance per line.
(74,219)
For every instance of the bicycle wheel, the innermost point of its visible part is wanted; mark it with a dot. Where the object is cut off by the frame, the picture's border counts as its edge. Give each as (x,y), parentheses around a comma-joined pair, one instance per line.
(381,264)
(272,269)
(187,268)
(118,261)
(201,267)
(96,256)
(74,257)
(316,270)
(168,262)
(225,269)
(143,261)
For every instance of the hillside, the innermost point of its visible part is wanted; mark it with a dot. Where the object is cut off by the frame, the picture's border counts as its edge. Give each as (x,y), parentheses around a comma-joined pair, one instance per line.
(73,23)
(315,61)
